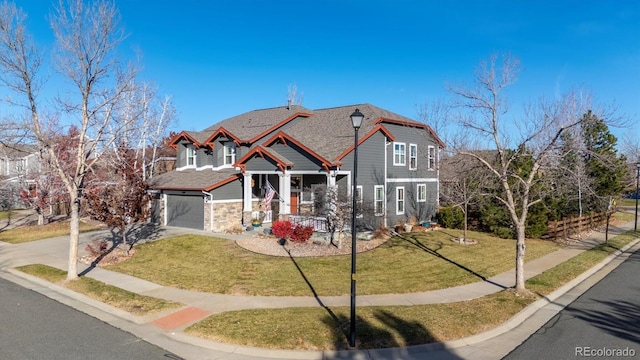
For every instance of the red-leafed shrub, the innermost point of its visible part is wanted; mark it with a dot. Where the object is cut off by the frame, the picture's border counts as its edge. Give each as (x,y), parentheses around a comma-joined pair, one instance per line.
(282,229)
(301,233)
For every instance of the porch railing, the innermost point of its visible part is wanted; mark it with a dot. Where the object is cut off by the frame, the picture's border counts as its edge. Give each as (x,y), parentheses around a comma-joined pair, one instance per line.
(319,223)
(268,216)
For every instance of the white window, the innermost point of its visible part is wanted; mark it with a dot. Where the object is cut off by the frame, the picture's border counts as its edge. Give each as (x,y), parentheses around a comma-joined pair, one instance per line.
(421,193)
(191,156)
(432,158)
(399,200)
(413,156)
(399,154)
(378,199)
(229,153)
(359,201)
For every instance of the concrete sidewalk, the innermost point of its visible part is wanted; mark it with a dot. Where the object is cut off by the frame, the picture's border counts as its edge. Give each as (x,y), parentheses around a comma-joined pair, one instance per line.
(165,329)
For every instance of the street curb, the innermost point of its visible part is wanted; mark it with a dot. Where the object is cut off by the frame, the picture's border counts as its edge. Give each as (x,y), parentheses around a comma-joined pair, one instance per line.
(65,293)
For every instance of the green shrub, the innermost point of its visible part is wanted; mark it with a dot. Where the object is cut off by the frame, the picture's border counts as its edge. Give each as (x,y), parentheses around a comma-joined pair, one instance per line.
(451,217)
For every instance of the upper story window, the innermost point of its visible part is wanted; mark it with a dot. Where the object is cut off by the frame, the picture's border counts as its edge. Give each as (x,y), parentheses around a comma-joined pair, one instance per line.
(413,156)
(432,158)
(399,154)
(191,156)
(229,153)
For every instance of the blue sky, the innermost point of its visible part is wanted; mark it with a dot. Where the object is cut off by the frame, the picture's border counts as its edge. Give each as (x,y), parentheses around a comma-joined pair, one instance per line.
(222,58)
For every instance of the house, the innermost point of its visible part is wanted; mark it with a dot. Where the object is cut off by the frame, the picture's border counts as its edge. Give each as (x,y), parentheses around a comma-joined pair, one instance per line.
(223,171)
(19,165)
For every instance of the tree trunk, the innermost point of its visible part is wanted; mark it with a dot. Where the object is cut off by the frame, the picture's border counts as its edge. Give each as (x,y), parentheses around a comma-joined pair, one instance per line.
(74,238)
(466,221)
(520,247)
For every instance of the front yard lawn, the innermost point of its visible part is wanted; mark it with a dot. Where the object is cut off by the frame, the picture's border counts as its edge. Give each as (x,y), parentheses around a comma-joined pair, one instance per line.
(391,326)
(32,233)
(414,262)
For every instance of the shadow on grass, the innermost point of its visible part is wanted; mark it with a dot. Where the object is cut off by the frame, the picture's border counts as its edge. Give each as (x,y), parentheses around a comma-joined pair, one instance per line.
(390,339)
(138,232)
(417,243)
(306,280)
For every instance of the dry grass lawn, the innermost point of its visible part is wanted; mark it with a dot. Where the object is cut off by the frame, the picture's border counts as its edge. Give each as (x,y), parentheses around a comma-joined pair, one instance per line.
(32,233)
(412,263)
(108,294)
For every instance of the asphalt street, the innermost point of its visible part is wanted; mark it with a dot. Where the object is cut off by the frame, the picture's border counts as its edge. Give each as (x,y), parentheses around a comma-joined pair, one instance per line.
(603,323)
(34,327)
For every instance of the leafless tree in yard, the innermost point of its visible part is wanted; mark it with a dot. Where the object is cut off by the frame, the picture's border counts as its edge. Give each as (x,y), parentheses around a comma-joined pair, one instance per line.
(482,110)
(87,36)
(463,184)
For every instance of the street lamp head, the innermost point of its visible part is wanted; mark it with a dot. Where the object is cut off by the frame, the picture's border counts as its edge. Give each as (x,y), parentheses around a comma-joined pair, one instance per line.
(356,119)
(637,164)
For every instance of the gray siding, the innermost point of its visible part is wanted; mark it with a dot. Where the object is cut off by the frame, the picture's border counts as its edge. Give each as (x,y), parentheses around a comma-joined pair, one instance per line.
(409,135)
(370,161)
(298,156)
(203,157)
(257,163)
(230,191)
(181,154)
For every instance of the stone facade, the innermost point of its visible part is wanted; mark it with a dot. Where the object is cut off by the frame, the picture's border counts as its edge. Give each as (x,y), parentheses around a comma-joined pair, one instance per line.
(226,216)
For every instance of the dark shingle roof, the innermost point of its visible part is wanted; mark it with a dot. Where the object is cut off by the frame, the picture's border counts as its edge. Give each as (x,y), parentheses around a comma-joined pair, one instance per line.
(329,132)
(191,179)
(250,124)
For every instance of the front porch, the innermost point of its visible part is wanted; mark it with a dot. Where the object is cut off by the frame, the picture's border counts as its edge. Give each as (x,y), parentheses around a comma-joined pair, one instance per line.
(296,195)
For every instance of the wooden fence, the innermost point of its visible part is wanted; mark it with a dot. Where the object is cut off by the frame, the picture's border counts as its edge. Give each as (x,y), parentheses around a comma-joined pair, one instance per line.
(573,225)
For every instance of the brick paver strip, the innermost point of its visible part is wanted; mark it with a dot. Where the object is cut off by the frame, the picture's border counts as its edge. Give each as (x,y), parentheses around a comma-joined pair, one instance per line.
(181,318)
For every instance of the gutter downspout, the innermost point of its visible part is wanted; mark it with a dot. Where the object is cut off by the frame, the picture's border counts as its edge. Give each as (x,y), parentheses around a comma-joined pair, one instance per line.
(385,207)
(210,209)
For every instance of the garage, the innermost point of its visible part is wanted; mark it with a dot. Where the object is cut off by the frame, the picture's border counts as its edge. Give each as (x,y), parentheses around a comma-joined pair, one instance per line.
(185,211)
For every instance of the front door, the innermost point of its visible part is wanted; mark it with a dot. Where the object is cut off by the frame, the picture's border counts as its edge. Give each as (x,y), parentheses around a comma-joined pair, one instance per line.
(294,203)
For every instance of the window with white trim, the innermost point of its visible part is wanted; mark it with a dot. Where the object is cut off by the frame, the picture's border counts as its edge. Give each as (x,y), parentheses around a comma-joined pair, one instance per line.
(229,153)
(421,193)
(191,156)
(432,157)
(399,154)
(378,199)
(413,156)
(400,200)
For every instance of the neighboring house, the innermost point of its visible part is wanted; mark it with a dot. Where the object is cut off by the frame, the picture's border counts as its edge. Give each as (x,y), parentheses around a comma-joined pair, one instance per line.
(222,172)
(19,161)
(19,166)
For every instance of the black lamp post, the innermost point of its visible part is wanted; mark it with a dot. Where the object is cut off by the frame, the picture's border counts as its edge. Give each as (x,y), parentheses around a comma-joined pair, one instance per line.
(356,121)
(635,225)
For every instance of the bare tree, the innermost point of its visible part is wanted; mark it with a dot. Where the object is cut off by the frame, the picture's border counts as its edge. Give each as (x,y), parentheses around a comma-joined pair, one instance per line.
(293,97)
(436,115)
(87,35)
(463,184)
(481,110)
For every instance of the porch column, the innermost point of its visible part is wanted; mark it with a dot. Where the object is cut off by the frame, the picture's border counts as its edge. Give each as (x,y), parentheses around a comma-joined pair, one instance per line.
(285,193)
(331,179)
(246,199)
